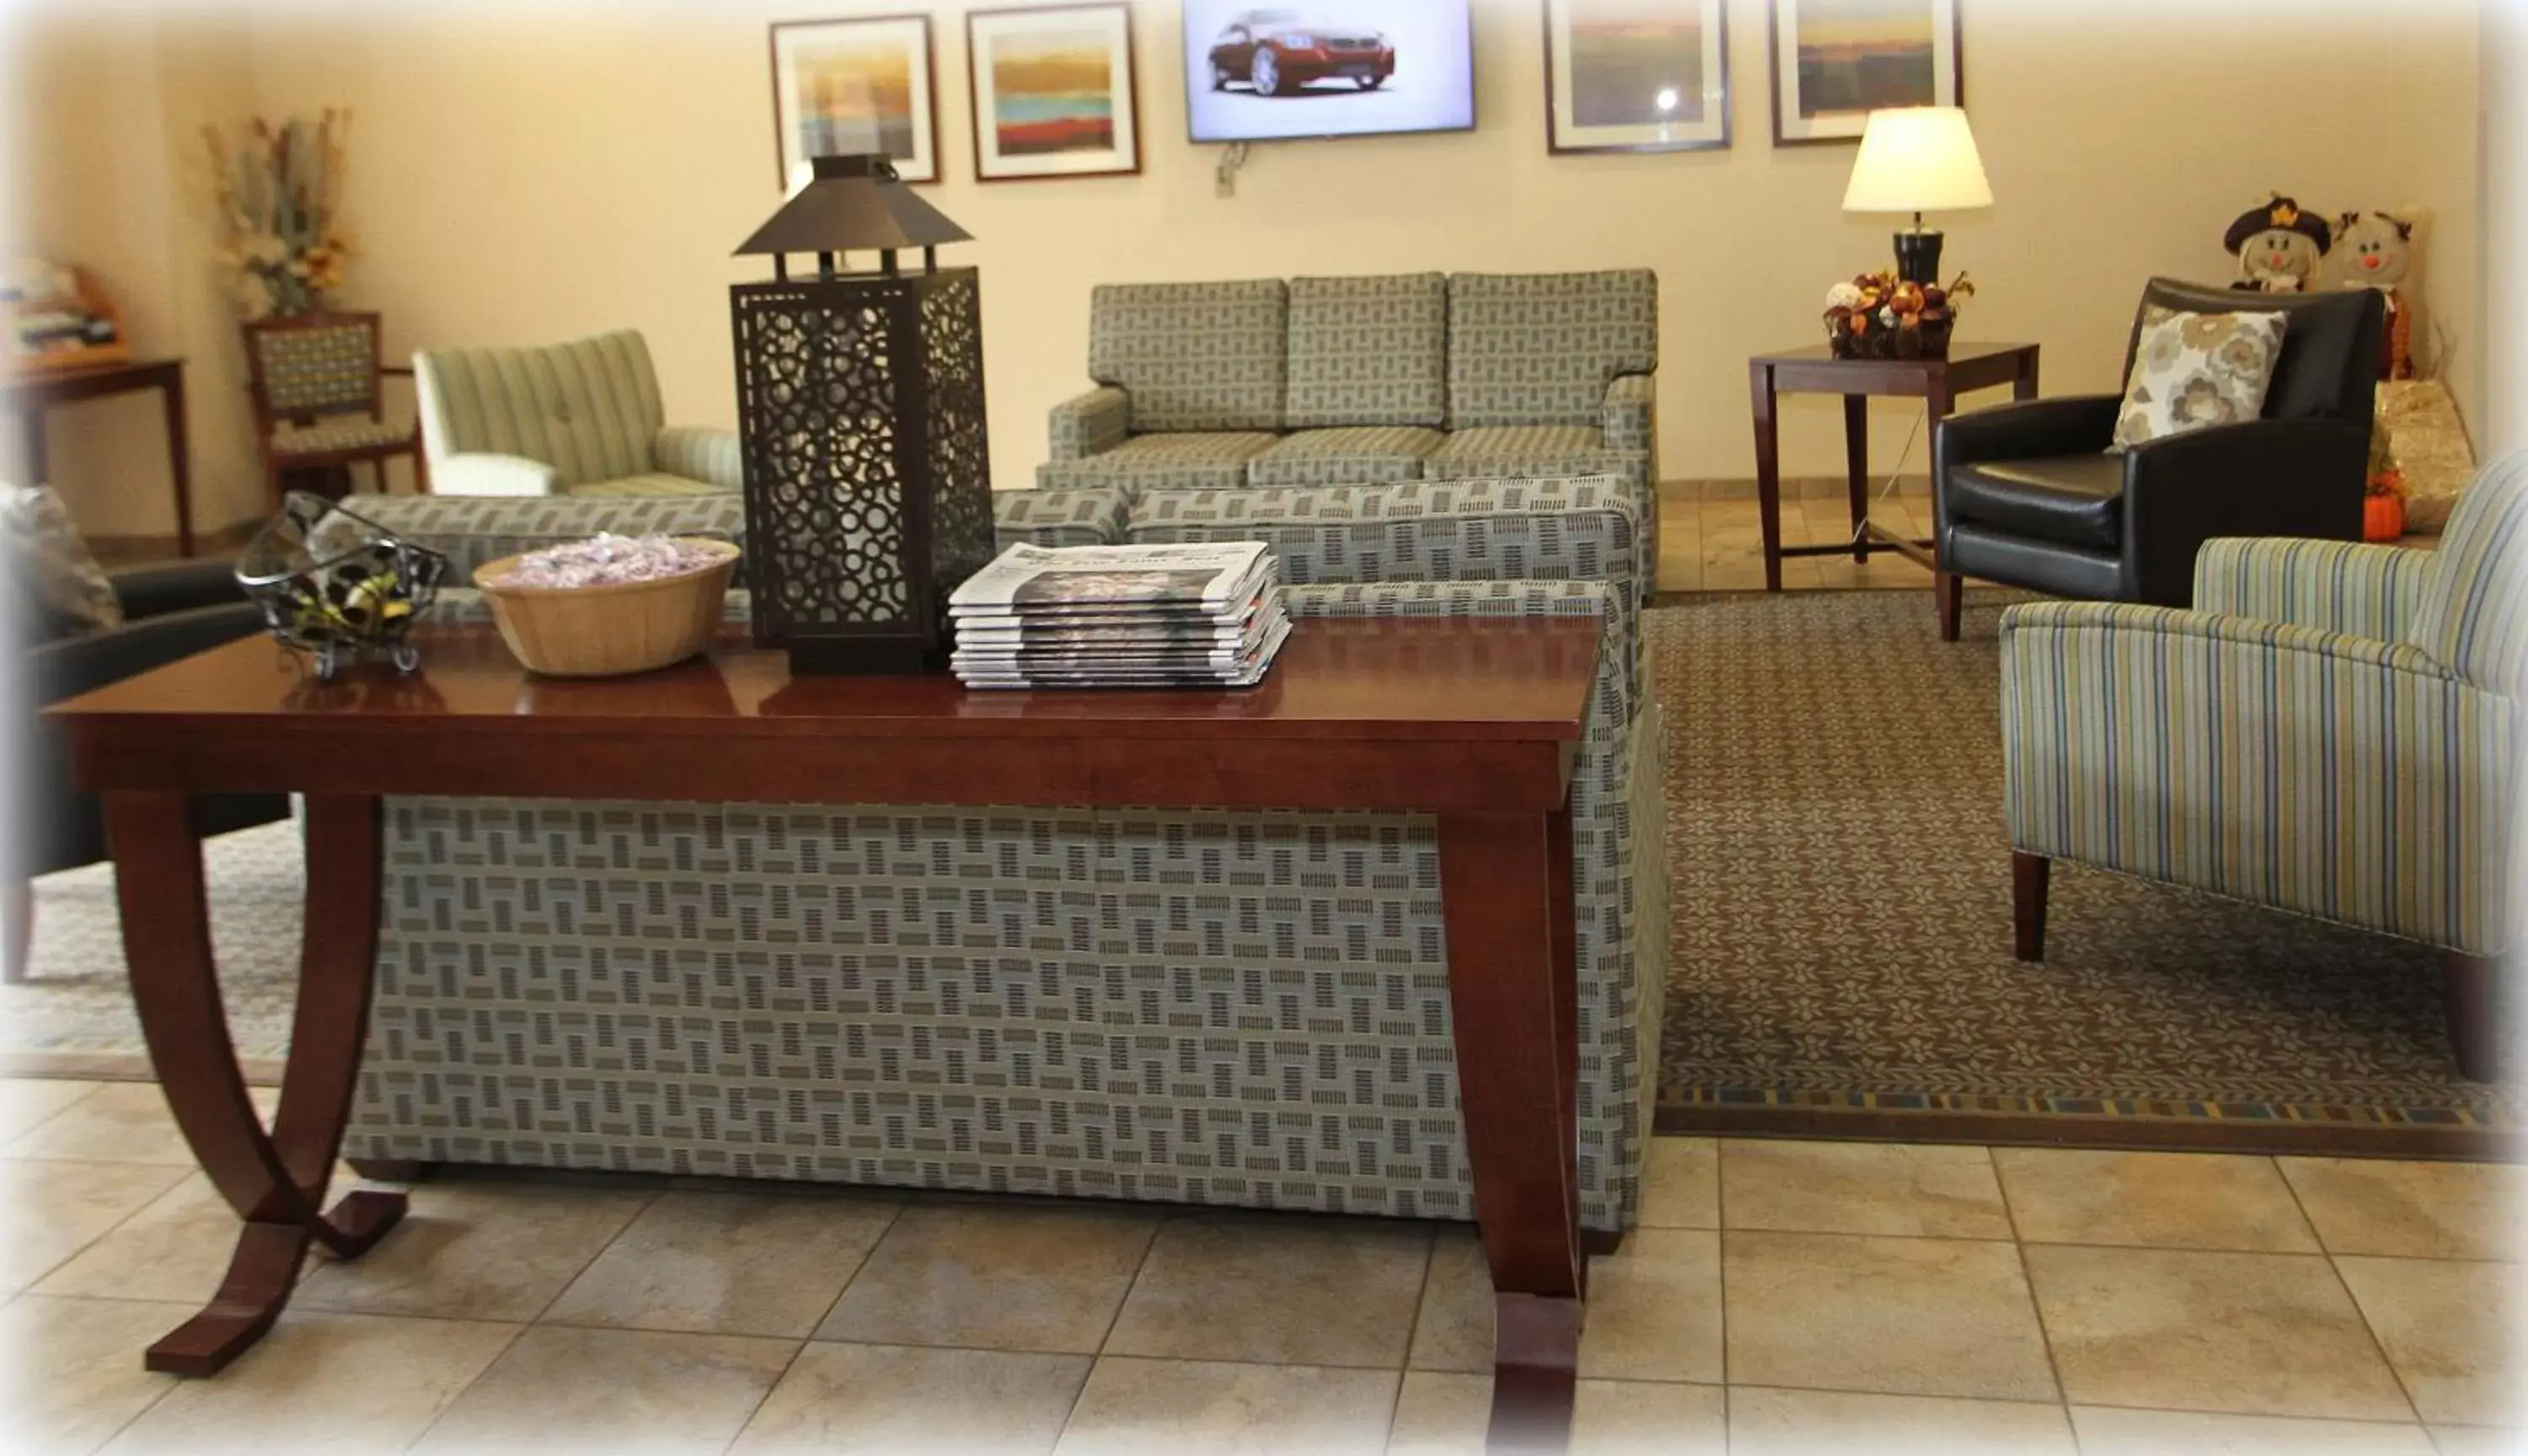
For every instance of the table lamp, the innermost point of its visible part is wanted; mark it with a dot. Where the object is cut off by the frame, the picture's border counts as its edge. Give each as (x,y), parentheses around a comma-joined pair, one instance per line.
(1918,159)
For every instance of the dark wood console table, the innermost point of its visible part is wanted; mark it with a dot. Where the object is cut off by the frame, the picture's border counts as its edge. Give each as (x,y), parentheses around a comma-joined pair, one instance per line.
(32,396)
(1815,371)
(1475,722)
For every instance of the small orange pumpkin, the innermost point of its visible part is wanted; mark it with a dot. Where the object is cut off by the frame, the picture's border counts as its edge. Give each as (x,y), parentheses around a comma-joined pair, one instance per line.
(2383,517)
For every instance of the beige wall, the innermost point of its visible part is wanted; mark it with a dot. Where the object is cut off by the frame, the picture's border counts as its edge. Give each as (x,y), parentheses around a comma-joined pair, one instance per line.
(108,173)
(2503,426)
(525,173)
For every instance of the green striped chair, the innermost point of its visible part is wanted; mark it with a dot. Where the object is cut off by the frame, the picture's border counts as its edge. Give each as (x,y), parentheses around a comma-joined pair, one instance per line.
(581,418)
(2332,731)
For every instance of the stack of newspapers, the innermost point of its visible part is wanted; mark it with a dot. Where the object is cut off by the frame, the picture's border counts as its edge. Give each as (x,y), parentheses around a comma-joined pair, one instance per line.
(1205,614)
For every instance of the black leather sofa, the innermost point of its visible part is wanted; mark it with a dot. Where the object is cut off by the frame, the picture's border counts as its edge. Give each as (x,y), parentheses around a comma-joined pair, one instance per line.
(170,611)
(2026,495)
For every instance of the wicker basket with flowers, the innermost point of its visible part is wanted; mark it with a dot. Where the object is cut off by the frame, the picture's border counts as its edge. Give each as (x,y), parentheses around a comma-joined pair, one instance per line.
(1880,316)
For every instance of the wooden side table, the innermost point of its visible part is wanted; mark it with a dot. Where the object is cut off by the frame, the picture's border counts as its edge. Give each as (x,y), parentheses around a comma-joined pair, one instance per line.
(1475,722)
(32,396)
(1814,371)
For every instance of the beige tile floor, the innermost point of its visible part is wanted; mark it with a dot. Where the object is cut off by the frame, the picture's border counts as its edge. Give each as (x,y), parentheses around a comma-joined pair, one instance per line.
(1780,1297)
(1718,544)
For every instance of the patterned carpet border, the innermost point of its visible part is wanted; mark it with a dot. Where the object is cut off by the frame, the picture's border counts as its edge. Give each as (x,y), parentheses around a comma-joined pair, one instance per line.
(1839,913)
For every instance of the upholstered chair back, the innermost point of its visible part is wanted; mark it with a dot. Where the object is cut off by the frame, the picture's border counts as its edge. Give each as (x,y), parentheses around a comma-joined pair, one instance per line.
(2474,616)
(1193,356)
(1368,352)
(322,364)
(1541,349)
(589,408)
(2328,369)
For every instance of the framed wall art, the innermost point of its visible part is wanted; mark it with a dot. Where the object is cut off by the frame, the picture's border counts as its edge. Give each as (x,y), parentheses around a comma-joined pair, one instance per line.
(1053,91)
(856,85)
(1836,61)
(1636,76)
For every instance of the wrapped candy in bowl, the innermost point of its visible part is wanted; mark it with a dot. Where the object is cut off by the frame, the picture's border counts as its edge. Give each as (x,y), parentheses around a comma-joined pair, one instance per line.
(609,605)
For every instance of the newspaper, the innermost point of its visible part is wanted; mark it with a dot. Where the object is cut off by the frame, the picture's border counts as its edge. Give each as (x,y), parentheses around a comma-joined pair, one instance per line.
(1026,580)
(1146,616)
(1242,669)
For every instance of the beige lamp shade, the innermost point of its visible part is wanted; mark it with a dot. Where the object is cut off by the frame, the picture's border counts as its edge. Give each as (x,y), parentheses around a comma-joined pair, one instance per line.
(1918,159)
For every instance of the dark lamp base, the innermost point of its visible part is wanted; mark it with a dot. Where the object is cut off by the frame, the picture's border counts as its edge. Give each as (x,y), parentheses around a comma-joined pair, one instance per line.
(1917,257)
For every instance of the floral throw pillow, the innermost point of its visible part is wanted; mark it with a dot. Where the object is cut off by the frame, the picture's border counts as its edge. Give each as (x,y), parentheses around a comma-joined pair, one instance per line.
(2194,370)
(68,590)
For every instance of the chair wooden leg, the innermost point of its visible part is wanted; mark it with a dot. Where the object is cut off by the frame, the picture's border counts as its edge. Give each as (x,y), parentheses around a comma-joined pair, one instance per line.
(18,908)
(420,472)
(1948,589)
(2471,1003)
(2030,877)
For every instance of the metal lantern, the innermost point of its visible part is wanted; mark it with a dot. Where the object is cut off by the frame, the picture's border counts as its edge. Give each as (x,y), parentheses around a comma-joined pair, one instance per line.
(860,406)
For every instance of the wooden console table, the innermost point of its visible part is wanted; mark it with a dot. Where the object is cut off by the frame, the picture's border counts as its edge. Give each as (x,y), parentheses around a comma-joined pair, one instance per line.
(1476,722)
(32,396)
(1815,371)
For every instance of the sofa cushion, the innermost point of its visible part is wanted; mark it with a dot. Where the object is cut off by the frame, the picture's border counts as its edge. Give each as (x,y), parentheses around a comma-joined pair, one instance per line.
(1192,356)
(1369,350)
(1214,460)
(1541,349)
(1358,456)
(63,591)
(589,407)
(1523,451)
(472,530)
(1060,518)
(649,484)
(2074,500)
(2192,371)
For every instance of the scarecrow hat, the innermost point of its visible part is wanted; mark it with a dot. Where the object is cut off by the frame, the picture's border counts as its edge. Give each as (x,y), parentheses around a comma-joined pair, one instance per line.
(2283,213)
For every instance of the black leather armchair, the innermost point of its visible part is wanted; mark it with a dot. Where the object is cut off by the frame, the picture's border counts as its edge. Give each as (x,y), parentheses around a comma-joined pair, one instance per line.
(171,612)
(2026,495)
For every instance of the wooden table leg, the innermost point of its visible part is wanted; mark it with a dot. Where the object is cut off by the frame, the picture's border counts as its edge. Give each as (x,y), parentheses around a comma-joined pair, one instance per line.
(1769,470)
(179,459)
(1505,893)
(39,461)
(1948,589)
(275,1180)
(1856,466)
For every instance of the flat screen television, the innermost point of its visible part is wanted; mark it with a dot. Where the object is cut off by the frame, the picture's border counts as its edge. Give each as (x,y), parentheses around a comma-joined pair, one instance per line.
(1332,68)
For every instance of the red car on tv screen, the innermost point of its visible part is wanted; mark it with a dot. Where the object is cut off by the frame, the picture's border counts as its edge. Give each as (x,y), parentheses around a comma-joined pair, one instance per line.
(1276,52)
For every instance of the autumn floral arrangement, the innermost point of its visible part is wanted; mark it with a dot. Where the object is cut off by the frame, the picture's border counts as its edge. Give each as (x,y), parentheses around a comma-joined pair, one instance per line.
(278,190)
(1880,316)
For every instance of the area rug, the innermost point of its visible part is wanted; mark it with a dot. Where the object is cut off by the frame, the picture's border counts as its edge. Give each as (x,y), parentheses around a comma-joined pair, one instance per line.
(1841,952)
(73,1015)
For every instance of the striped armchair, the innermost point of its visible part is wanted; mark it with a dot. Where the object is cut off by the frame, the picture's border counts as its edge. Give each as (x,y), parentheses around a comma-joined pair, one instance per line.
(2332,731)
(581,418)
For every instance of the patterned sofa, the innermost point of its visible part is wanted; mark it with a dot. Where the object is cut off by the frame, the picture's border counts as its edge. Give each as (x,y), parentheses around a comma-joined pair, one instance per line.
(1166,1004)
(581,418)
(1365,380)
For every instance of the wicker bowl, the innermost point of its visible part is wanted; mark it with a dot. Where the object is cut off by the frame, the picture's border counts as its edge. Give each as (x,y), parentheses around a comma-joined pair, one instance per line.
(614,629)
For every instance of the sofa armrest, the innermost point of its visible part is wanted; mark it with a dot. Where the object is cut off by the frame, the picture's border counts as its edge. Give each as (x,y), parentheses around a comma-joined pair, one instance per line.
(165,587)
(1629,417)
(2332,585)
(2031,429)
(1090,424)
(2183,746)
(479,473)
(2257,478)
(700,452)
(72,665)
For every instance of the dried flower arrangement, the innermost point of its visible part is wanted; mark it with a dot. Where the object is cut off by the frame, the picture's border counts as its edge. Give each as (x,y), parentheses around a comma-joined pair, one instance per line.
(1880,316)
(277,188)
